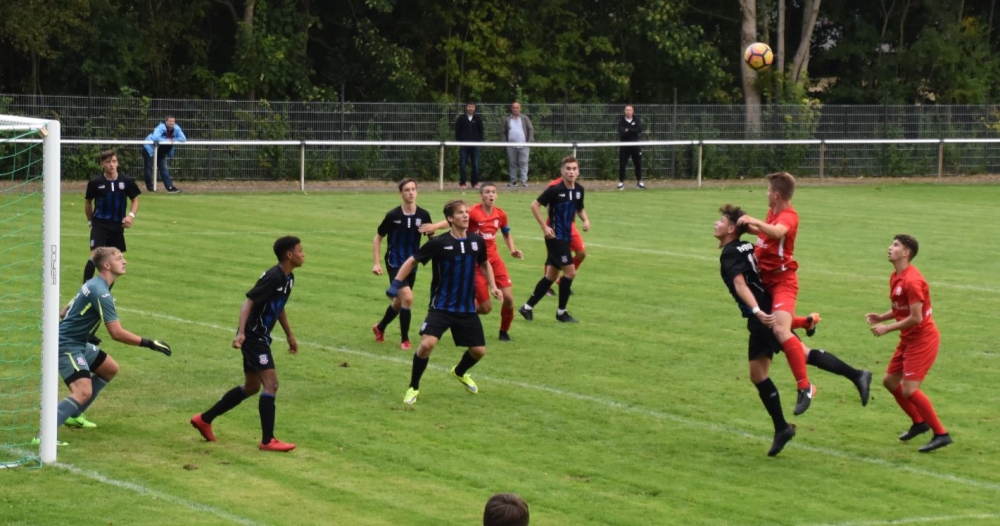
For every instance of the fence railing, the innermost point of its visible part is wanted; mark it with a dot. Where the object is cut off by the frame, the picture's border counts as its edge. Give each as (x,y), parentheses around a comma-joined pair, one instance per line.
(108,119)
(303,148)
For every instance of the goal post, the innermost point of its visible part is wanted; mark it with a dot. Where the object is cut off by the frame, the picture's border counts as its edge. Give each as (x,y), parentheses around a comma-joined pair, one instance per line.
(30,173)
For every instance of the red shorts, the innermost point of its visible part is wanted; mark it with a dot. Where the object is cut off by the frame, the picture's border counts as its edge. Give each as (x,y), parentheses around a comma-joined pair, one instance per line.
(499,275)
(784,290)
(576,242)
(914,358)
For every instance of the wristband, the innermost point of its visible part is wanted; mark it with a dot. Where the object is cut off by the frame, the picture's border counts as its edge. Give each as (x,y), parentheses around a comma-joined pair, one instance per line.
(132,215)
(755,310)
(90,223)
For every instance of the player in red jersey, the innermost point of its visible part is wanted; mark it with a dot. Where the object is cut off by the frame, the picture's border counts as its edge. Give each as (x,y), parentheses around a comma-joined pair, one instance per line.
(918,342)
(576,245)
(488,220)
(775,254)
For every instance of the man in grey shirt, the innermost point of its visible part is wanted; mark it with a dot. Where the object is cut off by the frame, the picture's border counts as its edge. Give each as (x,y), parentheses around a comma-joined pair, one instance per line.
(517,128)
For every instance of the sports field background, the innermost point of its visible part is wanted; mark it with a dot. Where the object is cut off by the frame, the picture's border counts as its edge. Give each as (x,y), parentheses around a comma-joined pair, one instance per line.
(640,414)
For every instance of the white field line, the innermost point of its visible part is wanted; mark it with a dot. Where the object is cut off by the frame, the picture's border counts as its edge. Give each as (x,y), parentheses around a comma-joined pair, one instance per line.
(143,490)
(613,404)
(921,520)
(883,277)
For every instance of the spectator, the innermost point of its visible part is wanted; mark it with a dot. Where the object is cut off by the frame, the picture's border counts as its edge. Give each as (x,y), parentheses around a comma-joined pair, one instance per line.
(168,130)
(469,128)
(629,129)
(505,509)
(517,128)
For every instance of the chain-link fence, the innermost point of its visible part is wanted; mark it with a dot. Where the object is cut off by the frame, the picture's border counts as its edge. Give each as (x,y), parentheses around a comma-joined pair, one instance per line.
(107,118)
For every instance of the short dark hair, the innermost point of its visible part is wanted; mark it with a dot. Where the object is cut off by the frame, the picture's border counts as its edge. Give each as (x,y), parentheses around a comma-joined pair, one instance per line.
(168,117)
(568,159)
(505,509)
(450,206)
(106,154)
(733,213)
(405,182)
(783,183)
(283,245)
(468,102)
(484,185)
(910,243)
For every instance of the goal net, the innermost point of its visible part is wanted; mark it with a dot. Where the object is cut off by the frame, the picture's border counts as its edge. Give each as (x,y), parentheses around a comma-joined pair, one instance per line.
(29,289)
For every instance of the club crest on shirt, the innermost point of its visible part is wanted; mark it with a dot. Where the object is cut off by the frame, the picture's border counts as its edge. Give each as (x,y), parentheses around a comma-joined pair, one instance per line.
(496,223)
(81,361)
(578,196)
(475,245)
(263,359)
(121,186)
(898,291)
(418,222)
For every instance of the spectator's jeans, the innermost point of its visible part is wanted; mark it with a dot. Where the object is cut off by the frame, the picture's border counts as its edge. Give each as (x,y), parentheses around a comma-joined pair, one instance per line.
(517,161)
(161,168)
(465,154)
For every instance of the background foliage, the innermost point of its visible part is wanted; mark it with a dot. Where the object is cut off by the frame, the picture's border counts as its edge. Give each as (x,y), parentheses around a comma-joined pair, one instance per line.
(916,51)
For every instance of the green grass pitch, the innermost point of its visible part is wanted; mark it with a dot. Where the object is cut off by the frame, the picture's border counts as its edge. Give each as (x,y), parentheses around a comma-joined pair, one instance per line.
(641,414)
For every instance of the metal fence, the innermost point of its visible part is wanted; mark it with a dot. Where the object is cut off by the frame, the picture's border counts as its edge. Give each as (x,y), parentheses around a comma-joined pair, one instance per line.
(111,119)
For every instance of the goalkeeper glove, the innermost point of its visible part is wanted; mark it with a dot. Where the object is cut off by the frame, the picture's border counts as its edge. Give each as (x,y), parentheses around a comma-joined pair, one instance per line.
(393,289)
(156,345)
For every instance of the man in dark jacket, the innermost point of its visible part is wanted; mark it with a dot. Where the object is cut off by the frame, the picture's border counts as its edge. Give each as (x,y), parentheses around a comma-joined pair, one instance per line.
(469,128)
(629,129)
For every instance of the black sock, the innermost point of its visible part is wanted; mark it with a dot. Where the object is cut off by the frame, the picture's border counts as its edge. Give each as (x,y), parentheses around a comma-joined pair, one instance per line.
(772,402)
(88,270)
(404,323)
(830,363)
(466,363)
(419,366)
(231,399)
(266,407)
(541,288)
(390,314)
(565,285)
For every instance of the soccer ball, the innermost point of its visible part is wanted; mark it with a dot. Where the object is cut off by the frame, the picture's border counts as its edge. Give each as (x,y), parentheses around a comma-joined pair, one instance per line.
(758,56)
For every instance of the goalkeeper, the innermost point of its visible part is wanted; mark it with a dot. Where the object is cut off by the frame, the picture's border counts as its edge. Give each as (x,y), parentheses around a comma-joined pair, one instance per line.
(85,368)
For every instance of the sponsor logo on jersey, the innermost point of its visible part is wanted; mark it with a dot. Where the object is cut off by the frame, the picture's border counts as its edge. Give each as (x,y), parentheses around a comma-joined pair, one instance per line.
(100,187)
(449,247)
(898,291)
(397,221)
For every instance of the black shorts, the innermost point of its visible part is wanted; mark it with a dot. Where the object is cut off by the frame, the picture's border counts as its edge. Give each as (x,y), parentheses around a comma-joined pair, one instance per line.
(762,341)
(256,355)
(466,329)
(107,234)
(394,271)
(559,254)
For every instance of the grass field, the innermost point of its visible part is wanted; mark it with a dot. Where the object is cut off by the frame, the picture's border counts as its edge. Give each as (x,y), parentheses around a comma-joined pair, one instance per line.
(641,414)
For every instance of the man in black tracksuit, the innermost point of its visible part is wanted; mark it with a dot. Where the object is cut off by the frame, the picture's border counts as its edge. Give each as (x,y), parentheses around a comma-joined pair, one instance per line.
(629,129)
(469,128)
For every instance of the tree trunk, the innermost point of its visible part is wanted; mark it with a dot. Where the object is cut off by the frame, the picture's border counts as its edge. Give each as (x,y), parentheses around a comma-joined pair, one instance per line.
(248,29)
(751,97)
(779,59)
(801,60)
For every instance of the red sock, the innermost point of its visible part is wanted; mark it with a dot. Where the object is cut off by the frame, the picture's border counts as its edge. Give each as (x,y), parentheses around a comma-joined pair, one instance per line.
(907,405)
(799,322)
(795,353)
(577,262)
(923,404)
(506,317)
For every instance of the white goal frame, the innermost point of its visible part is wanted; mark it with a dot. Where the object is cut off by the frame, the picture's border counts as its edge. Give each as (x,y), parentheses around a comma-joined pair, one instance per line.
(51,250)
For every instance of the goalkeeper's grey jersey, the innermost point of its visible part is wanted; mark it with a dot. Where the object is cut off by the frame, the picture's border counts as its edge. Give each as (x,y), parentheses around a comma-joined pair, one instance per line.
(92,306)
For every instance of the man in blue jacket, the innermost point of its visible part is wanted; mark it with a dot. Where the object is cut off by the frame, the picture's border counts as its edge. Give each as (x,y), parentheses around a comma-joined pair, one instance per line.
(166,131)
